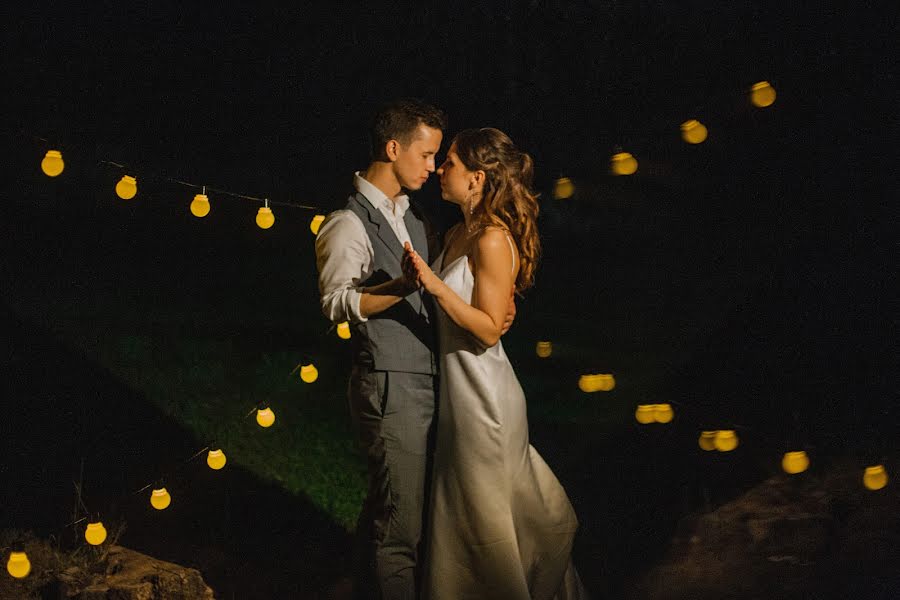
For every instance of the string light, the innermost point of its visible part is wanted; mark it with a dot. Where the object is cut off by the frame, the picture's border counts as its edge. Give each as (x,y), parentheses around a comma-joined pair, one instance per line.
(598,382)
(316,223)
(726,440)
(543,349)
(53,164)
(707,440)
(95,534)
(663,413)
(265,218)
(564,188)
(693,132)
(18,564)
(343,330)
(160,499)
(875,477)
(644,414)
(623,163)
(126,189)
(264,415)
(762,94)
(216,459)
(200,205)
(309,373)
(795,462)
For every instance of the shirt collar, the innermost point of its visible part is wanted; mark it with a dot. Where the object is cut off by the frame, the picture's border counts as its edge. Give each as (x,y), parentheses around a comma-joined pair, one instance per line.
(378,199)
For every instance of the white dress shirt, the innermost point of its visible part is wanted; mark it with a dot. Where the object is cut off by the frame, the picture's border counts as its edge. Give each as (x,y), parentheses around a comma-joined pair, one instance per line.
(344,253)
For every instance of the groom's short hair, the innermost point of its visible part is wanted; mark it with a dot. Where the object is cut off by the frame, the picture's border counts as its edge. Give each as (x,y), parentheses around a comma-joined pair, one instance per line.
(399,120)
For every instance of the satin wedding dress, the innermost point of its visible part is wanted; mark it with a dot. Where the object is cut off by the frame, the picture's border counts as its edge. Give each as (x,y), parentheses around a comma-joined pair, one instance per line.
(501,526)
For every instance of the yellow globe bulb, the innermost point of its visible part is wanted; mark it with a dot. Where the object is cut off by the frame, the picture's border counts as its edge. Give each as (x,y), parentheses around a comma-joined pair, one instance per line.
(343,330)
(588,383)
(663,413)
(543,349)
(644,414)
(200,206)
(316,223)
(762,94)
(215,459)
(605,382)
(726,440)
(265,417)
(693,132)
(18,565)
(126,189)
(564,188)
(309,373)
(160,499)
(875,477)
(623,163)
(53,164)
(795,462)
(265,218)
(95,534)
(707,440)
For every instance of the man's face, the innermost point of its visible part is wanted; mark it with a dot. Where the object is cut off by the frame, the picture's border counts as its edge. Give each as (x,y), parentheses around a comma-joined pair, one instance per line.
(415,162)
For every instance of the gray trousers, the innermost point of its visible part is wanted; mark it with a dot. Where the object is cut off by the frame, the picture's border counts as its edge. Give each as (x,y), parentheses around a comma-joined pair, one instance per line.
(393,414)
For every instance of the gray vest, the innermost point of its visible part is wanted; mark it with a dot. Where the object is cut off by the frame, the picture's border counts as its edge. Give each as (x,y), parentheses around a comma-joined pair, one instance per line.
(402,337)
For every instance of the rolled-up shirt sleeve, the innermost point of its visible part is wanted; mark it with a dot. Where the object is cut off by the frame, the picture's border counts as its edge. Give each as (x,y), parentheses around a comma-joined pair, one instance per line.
(344,257)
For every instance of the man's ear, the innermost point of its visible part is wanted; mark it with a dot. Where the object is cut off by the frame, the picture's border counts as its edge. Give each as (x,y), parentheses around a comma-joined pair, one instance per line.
(392,150)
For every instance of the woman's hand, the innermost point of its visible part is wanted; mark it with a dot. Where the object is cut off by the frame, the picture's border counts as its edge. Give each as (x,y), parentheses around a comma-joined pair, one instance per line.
(414,268)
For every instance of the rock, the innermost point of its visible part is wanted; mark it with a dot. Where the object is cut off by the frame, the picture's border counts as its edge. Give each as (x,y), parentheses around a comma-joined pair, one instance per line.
(131,575)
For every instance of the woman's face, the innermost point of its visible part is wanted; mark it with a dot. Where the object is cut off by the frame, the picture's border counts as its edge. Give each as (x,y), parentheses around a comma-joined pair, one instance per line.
(456,180)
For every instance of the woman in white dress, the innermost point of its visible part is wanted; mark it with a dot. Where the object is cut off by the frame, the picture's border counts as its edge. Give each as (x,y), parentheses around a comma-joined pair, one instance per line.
(500,524)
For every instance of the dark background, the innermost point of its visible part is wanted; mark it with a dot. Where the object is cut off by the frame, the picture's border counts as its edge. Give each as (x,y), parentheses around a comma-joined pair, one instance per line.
(754,275)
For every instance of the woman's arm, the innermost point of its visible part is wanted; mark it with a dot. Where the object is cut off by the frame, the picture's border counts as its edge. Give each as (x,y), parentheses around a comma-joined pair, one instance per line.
(485,318)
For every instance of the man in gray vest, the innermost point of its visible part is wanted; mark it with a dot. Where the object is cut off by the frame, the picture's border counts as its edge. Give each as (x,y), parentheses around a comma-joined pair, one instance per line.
(392,383)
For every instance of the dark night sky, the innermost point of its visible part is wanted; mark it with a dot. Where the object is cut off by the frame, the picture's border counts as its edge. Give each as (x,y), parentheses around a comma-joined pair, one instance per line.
(272,101)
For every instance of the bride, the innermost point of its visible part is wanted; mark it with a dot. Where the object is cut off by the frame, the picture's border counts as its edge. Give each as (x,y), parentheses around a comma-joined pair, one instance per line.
(500,524)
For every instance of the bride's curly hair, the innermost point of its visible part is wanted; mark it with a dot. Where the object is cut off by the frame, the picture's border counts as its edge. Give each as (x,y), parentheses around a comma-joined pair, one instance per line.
(507,199)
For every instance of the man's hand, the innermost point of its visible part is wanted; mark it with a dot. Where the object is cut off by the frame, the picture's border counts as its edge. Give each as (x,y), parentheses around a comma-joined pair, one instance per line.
(510,313)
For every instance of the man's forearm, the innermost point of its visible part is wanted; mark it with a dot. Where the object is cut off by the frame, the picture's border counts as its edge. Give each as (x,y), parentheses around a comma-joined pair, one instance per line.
(381,297)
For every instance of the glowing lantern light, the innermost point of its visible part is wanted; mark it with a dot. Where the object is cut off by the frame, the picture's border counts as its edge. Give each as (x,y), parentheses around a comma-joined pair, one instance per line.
(795,462)
(343,330)
(160,499)
(543,349)
(126,189)
(623,163)
(762,94)
(200,205)
(309,373)
(265,417)
(693,132)
(18,565)
(644,414)
(587,383)
(707,440)
(726,440)
(53,164)
(316,223)
(605,382)
(564,188)
(95,534)
(265,218)
(663,413)
(875,477)
(216,459)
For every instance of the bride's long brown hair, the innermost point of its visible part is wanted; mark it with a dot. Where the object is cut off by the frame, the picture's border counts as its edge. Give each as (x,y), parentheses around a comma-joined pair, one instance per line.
(507,200)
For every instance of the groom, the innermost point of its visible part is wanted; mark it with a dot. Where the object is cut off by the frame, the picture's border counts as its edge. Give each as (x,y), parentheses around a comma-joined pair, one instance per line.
(392,383)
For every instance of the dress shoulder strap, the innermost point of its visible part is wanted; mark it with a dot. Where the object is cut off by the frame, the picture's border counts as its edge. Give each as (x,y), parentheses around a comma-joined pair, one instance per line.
(512,248)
